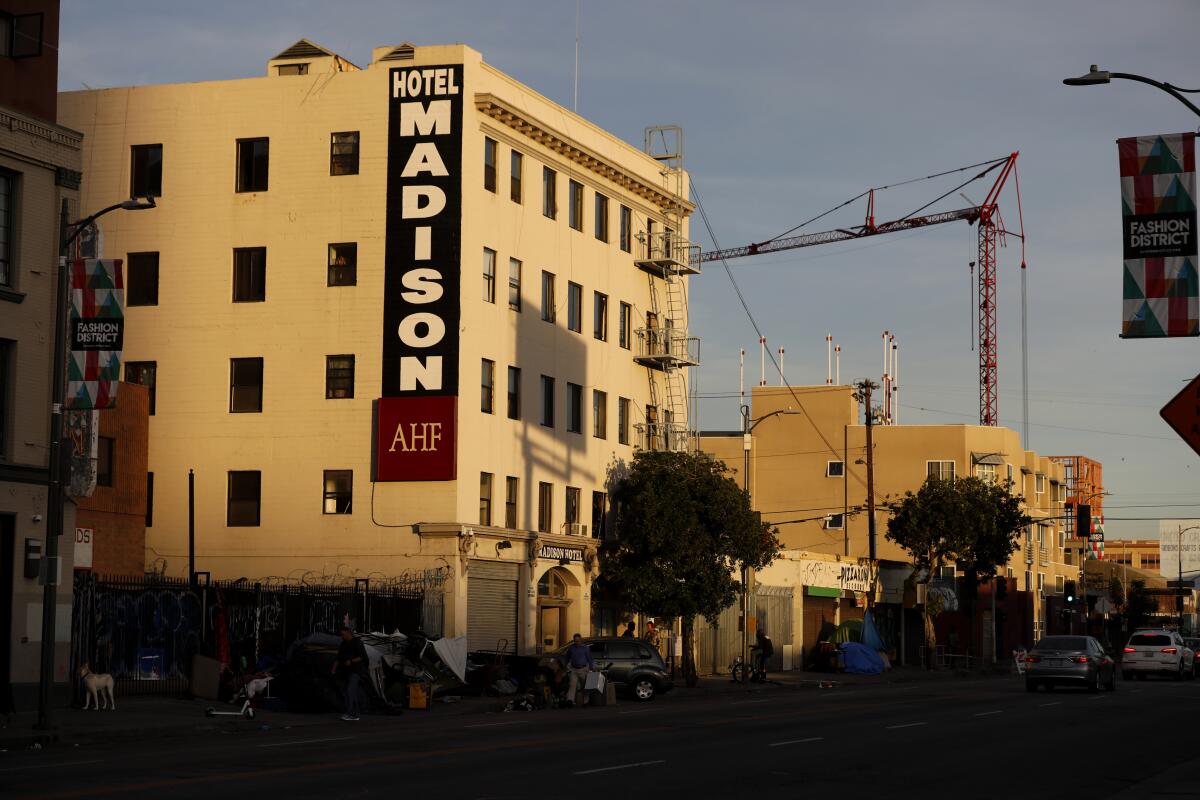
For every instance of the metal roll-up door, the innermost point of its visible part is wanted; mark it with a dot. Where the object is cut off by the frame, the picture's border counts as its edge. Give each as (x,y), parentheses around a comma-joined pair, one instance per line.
(492,606)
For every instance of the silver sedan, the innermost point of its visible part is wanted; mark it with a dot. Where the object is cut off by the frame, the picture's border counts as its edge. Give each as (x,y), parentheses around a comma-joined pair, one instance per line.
(1069,660)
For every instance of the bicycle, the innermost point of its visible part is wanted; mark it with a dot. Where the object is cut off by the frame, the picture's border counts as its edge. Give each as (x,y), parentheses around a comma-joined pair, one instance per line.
(739,670)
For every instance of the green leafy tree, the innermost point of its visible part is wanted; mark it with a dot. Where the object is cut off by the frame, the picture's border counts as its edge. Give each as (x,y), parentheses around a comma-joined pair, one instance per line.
(682,529)
(973,523)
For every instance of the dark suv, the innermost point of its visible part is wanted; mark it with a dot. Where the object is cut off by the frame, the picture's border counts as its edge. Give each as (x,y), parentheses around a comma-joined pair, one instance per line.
(636,666)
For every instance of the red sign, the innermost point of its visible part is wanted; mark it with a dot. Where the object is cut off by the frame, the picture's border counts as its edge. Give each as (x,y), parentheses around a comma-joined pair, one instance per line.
(1183,414)
(414,438)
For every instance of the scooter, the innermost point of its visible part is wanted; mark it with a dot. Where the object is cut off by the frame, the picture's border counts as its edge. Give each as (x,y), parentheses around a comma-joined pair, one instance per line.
(246,711)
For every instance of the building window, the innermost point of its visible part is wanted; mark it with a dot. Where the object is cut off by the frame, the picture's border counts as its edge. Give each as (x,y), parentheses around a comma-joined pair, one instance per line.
(490,149)
(6,399)
(625,326)
(600,316)
(575,197)
(549,201)
(489,275)
(245,499)
(8,193)
(149,499)
(339,490)
(1150,561)
(514,284)
(1039,483)
(986,472)
(548,401)
(626,229)
(485,498)
(141,279)
(105,454)
(253,159)
(574,408)
(339,377)
(292,69)
(249,274)
(599,414)
(514,392)
(343,264)
(835,522)
(942,470)
(245,385)
(343,153)
(487,386)
(623,420)
(547,296)
(545,507)
(1009,470)
(143,373)
(511,490)
(516,166)
(835,469)
(145,170)
(21,35)
(601,217)
(575,307)
(572,505)
(599,514)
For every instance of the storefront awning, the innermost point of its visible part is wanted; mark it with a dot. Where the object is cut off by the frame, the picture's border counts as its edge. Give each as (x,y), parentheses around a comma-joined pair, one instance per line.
(822,591)
(987,458)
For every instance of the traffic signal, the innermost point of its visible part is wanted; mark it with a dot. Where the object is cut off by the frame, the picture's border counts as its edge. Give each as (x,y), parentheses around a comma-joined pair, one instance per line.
(1069,592)
(1083,520)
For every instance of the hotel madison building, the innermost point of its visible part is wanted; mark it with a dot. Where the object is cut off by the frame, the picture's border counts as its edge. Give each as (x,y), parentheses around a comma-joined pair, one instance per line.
(410,317)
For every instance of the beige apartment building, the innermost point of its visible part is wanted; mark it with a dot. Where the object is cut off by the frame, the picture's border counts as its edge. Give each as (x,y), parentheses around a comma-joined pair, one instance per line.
(39,171)
(807,475)
(405,317)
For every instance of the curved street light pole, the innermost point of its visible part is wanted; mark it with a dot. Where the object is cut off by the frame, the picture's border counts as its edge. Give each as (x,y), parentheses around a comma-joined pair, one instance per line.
(1098,76)
(54,493)
(1179,582)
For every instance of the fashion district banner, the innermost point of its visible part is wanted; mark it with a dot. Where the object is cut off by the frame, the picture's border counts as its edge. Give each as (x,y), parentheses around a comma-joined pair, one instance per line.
(1158,215)
(96,332)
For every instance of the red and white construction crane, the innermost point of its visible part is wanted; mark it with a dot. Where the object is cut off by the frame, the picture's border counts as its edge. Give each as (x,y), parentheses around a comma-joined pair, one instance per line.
(991,234)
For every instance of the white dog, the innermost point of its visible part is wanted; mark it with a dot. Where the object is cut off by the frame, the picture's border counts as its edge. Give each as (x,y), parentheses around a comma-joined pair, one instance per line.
(98,685)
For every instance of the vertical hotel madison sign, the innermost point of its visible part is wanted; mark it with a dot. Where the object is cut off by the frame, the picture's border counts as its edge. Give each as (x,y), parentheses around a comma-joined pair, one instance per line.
(415,418)
(1158,216)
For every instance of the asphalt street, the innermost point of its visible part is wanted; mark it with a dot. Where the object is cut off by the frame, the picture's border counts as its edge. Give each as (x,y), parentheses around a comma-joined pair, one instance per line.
(981,738)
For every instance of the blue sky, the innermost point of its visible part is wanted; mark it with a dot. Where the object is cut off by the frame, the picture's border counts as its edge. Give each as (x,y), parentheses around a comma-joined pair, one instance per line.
(790,108)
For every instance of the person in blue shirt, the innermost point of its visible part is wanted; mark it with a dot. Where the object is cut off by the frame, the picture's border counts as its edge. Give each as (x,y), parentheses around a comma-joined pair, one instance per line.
(579,663)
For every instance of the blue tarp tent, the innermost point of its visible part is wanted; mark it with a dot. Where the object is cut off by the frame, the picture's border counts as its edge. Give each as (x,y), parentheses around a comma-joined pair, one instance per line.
(870,636)
(859,659)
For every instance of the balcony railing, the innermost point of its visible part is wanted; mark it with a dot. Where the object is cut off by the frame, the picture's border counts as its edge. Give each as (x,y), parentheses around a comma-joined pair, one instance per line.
(660,253)
(672,436)
(1029,554)
(666,347)
(1043,556)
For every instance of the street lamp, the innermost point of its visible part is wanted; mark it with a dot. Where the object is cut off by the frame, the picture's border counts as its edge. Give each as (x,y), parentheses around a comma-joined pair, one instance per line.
(1083,550)
(54,494)
(1179,561)
(1097,76)
(748,425)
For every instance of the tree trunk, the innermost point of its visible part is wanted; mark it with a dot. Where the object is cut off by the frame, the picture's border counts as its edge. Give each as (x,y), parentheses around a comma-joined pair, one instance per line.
(968,602)
(690,678)
(930,634)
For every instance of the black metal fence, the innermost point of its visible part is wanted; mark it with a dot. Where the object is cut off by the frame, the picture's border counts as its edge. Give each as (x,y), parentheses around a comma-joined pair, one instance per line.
(145,630)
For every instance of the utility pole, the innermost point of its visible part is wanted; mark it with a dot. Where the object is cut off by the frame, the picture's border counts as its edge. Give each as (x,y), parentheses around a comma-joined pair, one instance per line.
(864,396)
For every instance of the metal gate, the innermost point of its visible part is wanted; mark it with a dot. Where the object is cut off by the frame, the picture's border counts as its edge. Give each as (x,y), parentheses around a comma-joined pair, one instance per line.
(718,645)
(492,606)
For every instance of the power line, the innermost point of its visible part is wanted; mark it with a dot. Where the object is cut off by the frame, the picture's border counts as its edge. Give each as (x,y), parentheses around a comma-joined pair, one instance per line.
(1047,425)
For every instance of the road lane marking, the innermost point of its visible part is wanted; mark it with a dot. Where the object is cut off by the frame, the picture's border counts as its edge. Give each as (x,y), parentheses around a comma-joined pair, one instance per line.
(906,725)
(496,724)
(988,713)
(618,766)
(307,741)
(49,766)
(1055,703)
(749,702)
(798,741)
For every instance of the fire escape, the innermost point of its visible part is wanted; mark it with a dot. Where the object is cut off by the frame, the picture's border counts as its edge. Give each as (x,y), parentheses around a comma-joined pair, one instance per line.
(663,345)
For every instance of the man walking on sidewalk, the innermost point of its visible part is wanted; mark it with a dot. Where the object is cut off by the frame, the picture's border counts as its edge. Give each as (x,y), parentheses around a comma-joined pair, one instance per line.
(579,663)
(351,666)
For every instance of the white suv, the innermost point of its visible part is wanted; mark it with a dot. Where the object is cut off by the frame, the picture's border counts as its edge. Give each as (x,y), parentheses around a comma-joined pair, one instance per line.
(1158,651)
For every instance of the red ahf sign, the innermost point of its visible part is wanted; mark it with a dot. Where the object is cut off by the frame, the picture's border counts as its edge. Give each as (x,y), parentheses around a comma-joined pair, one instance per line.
(414,438)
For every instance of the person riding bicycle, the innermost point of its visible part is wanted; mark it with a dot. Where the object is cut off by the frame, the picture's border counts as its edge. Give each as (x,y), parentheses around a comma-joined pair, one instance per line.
(762,650)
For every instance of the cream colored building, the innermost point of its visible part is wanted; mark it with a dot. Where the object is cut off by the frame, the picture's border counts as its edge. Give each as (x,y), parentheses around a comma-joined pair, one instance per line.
(807,475)
(336,244)
(39,171)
